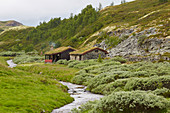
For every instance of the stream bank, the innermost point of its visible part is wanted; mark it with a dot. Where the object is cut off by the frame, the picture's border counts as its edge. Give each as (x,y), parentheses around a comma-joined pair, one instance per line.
(78,92)
(80,95)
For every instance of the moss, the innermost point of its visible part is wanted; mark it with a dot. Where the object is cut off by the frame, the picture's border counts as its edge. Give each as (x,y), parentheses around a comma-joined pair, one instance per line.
(59,50)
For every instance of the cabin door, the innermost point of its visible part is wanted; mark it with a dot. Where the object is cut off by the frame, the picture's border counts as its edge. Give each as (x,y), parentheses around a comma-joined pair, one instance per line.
(80,57)
(57,57)
(53,58)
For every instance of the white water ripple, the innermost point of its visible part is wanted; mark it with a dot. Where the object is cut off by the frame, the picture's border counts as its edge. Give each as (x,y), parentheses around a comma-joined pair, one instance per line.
(80,95)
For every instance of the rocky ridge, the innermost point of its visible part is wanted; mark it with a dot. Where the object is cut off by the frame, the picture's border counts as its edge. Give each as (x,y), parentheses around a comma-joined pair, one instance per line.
(135,48)
(11,23)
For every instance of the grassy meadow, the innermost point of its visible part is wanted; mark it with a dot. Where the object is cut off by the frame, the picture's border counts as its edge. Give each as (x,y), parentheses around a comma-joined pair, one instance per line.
(27,92)
(53,71)
(130,87)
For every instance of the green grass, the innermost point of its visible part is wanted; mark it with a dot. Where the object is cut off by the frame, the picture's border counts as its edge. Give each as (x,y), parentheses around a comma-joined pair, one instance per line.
(53,71)
(25,92)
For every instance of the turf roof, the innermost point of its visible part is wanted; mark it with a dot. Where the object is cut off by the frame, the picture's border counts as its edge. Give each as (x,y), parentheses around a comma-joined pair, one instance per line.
(59,50)
(86,50)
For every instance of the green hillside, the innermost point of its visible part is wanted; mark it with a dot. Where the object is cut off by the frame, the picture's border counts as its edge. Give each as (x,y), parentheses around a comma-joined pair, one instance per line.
(75,30)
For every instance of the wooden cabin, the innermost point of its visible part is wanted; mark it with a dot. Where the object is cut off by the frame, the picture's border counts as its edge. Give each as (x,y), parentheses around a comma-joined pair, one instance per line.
(92,53)
(58,53)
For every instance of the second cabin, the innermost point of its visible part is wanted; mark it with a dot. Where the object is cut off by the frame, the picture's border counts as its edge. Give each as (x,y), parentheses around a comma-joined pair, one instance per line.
(92,53)
(57,54)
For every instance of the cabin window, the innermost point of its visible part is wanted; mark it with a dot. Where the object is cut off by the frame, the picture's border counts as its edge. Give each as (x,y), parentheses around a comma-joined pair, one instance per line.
(96,51)
(47,57)
(50,57)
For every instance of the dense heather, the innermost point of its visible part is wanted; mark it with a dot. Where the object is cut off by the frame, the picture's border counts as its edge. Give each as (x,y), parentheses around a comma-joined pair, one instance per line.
(124,84)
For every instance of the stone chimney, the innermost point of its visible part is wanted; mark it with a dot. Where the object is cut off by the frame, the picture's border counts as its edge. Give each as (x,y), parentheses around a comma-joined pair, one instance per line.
(51,48)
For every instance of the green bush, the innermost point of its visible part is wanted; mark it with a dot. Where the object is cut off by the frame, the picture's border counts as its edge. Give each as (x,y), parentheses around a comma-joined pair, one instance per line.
(129,74)
(99,80)
(119,59)
(27,59)
(138,76)
(111,63)
(73,63)
(115,86)
(65,62)
(100,59)
(10,53)
(130,102)
(149,83)
(82,78)
(141,39)
(163,91)
(82,65)
(124,37)
(112,41)
(85,107)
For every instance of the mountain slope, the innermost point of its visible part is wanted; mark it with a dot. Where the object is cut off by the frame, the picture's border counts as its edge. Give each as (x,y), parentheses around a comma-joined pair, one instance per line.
(90,28)
(8,24)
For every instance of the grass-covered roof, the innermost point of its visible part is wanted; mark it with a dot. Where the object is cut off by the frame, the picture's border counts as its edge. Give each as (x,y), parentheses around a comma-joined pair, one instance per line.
(59,50)
(86,50)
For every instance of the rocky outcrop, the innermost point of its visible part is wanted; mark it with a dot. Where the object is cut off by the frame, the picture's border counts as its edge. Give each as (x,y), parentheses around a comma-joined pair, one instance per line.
(135,48)
(11,23)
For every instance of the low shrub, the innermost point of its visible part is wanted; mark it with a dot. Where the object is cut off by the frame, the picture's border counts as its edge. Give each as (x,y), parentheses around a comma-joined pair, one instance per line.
(73,63)
(100,60)
(27,59)
(141,39)
(111,63)
(82,78)
(115,86)
(112,41)
(134,101)
(149,83)
(124,37)
(99,80)
(129,74)
(163,91)
(85,107)
(65,62)
(119,59)
(11,53)
(82,65)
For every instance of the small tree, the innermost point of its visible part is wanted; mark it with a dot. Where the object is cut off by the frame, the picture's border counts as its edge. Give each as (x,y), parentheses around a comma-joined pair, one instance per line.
(100,58)
(100,6)
(123,1)
(112,4)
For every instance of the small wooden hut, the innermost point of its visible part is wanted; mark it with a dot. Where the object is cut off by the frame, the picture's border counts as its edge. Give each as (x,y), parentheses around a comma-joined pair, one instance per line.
(92,53)
(58,53)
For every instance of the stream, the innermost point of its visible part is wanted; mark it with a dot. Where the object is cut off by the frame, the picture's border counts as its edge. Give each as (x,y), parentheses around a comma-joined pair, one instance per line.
(11,63)
(78,92)
(80,95)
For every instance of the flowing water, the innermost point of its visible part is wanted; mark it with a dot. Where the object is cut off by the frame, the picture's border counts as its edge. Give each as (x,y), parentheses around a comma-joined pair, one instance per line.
(80,95)
(78,92)
(11,64)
